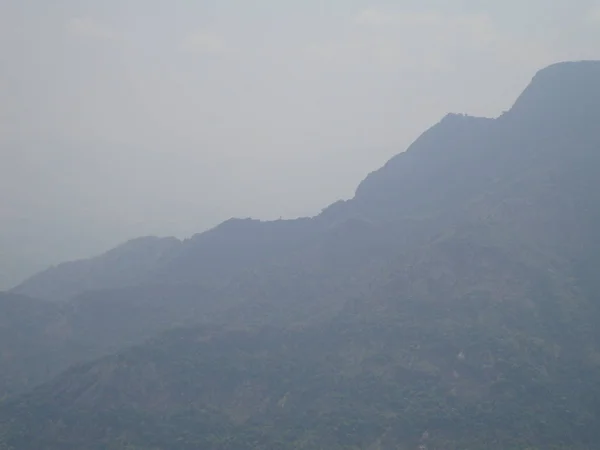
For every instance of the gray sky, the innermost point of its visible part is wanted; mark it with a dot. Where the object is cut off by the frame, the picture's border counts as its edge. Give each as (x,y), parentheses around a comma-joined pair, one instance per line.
(121,118)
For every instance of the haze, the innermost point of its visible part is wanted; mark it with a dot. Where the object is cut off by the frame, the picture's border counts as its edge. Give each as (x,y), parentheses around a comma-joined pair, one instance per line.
(127,118)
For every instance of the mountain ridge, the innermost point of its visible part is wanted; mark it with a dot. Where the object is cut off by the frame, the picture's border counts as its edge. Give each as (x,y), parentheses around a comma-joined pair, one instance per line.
(452,303)
(459,130)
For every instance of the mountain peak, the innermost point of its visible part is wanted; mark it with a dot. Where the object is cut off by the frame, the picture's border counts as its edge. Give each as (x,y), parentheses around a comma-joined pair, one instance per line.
(562,90)
(569,69)
(459,284)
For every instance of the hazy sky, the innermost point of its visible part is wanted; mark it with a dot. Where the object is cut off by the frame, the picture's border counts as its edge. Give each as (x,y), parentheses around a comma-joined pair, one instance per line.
(121,118)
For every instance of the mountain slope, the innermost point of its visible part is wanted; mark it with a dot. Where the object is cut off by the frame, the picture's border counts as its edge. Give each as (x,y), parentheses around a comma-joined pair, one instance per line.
(448,167)
(123,266)
(346,385)
(28,332)
(451,303)
(40,339)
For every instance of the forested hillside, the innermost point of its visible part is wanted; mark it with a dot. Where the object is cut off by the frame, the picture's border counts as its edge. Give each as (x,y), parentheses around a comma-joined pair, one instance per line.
(451,304)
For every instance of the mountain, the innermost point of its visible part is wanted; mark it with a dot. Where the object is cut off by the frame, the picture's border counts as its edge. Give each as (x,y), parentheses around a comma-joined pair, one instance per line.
(446,168)
(452,303)
(27,342)
(39,339)
(123,266)
(347,385)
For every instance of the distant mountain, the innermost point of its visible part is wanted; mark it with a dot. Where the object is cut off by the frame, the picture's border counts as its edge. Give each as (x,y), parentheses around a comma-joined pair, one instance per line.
(27,336)
(125,265)
(452,303)
(39,339)
(446,168)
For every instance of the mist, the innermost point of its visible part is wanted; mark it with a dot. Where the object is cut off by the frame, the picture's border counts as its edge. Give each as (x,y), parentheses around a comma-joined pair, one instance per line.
(128,118)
